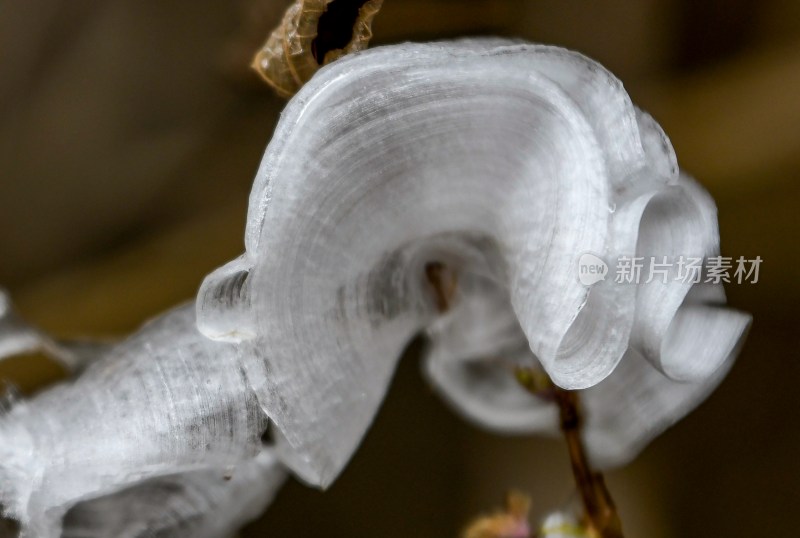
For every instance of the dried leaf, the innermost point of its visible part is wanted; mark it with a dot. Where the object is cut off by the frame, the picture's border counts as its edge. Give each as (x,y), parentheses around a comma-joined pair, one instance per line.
(292,54)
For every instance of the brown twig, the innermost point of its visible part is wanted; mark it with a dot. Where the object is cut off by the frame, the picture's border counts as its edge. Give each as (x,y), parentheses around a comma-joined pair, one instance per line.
(600,513)
(443,282)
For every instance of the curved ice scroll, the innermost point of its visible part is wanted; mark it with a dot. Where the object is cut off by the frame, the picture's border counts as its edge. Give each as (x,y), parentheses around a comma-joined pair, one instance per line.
(474,351)
(503,160)
(161,405)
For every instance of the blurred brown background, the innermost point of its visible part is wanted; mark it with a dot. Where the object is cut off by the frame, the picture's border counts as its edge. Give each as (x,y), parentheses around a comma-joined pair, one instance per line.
(129,135)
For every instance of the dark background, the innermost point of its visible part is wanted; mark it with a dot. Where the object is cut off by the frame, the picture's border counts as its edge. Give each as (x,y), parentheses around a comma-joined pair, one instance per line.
(129,135)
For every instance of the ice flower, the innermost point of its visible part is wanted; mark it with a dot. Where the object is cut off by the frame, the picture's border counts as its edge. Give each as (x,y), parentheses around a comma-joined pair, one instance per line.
(450,188)
(498,162)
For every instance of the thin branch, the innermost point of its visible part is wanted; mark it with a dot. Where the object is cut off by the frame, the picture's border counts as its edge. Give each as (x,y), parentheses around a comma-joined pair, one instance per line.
(599,509)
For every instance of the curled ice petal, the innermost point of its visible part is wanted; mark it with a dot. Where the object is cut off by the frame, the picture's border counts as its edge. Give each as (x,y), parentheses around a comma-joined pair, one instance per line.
(679,225)
(622,413)
(496,158)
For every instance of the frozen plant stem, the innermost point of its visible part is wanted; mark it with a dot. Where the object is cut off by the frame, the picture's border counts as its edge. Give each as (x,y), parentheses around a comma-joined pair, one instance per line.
(600,513)
(444,283)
